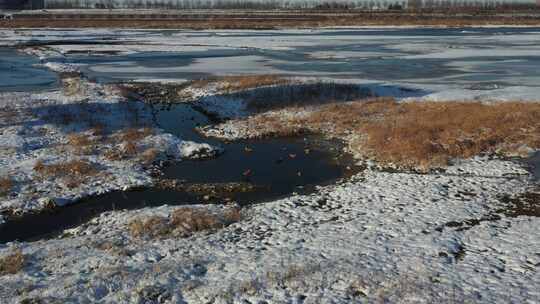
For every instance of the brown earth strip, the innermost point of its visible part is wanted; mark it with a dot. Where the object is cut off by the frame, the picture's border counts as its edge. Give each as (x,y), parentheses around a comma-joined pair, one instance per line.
(263,20)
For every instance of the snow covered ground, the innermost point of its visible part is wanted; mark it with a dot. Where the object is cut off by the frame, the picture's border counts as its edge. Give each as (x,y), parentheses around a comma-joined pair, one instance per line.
(377,236)
(92,125)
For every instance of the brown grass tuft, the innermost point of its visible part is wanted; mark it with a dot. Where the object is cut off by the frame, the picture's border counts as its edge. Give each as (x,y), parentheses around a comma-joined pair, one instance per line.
(81,143)
(6,184)
(193,220)
(12,263)
(72,169)
(129,148)
(129,138)
(126,150)
(239,83)
(430,134)
(149,156)
(78,140)
(242,82)
(183,222)
(134,135)
(154,226)
(113,155)
(415,134)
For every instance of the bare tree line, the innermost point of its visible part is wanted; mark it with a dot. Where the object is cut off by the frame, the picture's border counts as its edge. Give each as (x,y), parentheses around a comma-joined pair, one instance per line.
(424,5)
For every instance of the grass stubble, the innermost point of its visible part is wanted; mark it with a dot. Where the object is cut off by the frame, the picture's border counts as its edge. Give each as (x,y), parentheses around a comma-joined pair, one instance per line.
(183,222)
(12,263)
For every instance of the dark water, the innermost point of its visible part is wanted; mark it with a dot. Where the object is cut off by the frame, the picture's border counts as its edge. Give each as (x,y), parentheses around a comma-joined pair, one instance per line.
(18,73)
(278,167)
(272,169)
(534,164)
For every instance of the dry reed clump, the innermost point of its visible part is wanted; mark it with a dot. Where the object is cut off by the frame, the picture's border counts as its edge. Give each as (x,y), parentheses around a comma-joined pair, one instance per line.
(239,83)
(12,263)
(81,143)
(149,156)
(431,134)
(134,134)
(152,227)
(128,148)
(418,135)
(6,184)
(183,222)
(71,169)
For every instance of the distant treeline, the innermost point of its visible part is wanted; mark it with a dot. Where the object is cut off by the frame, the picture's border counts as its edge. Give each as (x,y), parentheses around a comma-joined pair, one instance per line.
(220,4)
(424,5)
(291,4)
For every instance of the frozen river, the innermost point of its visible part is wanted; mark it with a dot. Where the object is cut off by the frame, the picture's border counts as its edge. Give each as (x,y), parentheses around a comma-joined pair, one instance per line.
(19,73)
(465,62)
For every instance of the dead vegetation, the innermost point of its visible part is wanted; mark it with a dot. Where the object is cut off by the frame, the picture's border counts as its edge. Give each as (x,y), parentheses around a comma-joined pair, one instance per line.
(172,93)
(73,86)
(414,134)
(134,134)
(6,184)
(270,20)
(12,263)
(81,143)
(78,140)
(129,148)
(149,156)
(183,222)
(74,170)
(239,83)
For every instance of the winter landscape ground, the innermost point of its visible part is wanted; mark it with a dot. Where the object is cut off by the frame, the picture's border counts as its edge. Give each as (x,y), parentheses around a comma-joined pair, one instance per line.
(330,165)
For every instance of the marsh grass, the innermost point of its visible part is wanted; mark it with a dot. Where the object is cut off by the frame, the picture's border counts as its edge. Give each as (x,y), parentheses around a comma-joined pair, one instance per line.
(134,134)
(81,143)
(12,263)
(129,148)
(126,150)
(149,156)
(74,171)
(412,134)
(239,83)
(183,222)
(6,184)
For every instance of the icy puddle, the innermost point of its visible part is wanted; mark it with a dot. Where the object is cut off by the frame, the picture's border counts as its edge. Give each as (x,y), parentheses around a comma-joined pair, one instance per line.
(19,73)
(534,163)
(248,172)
